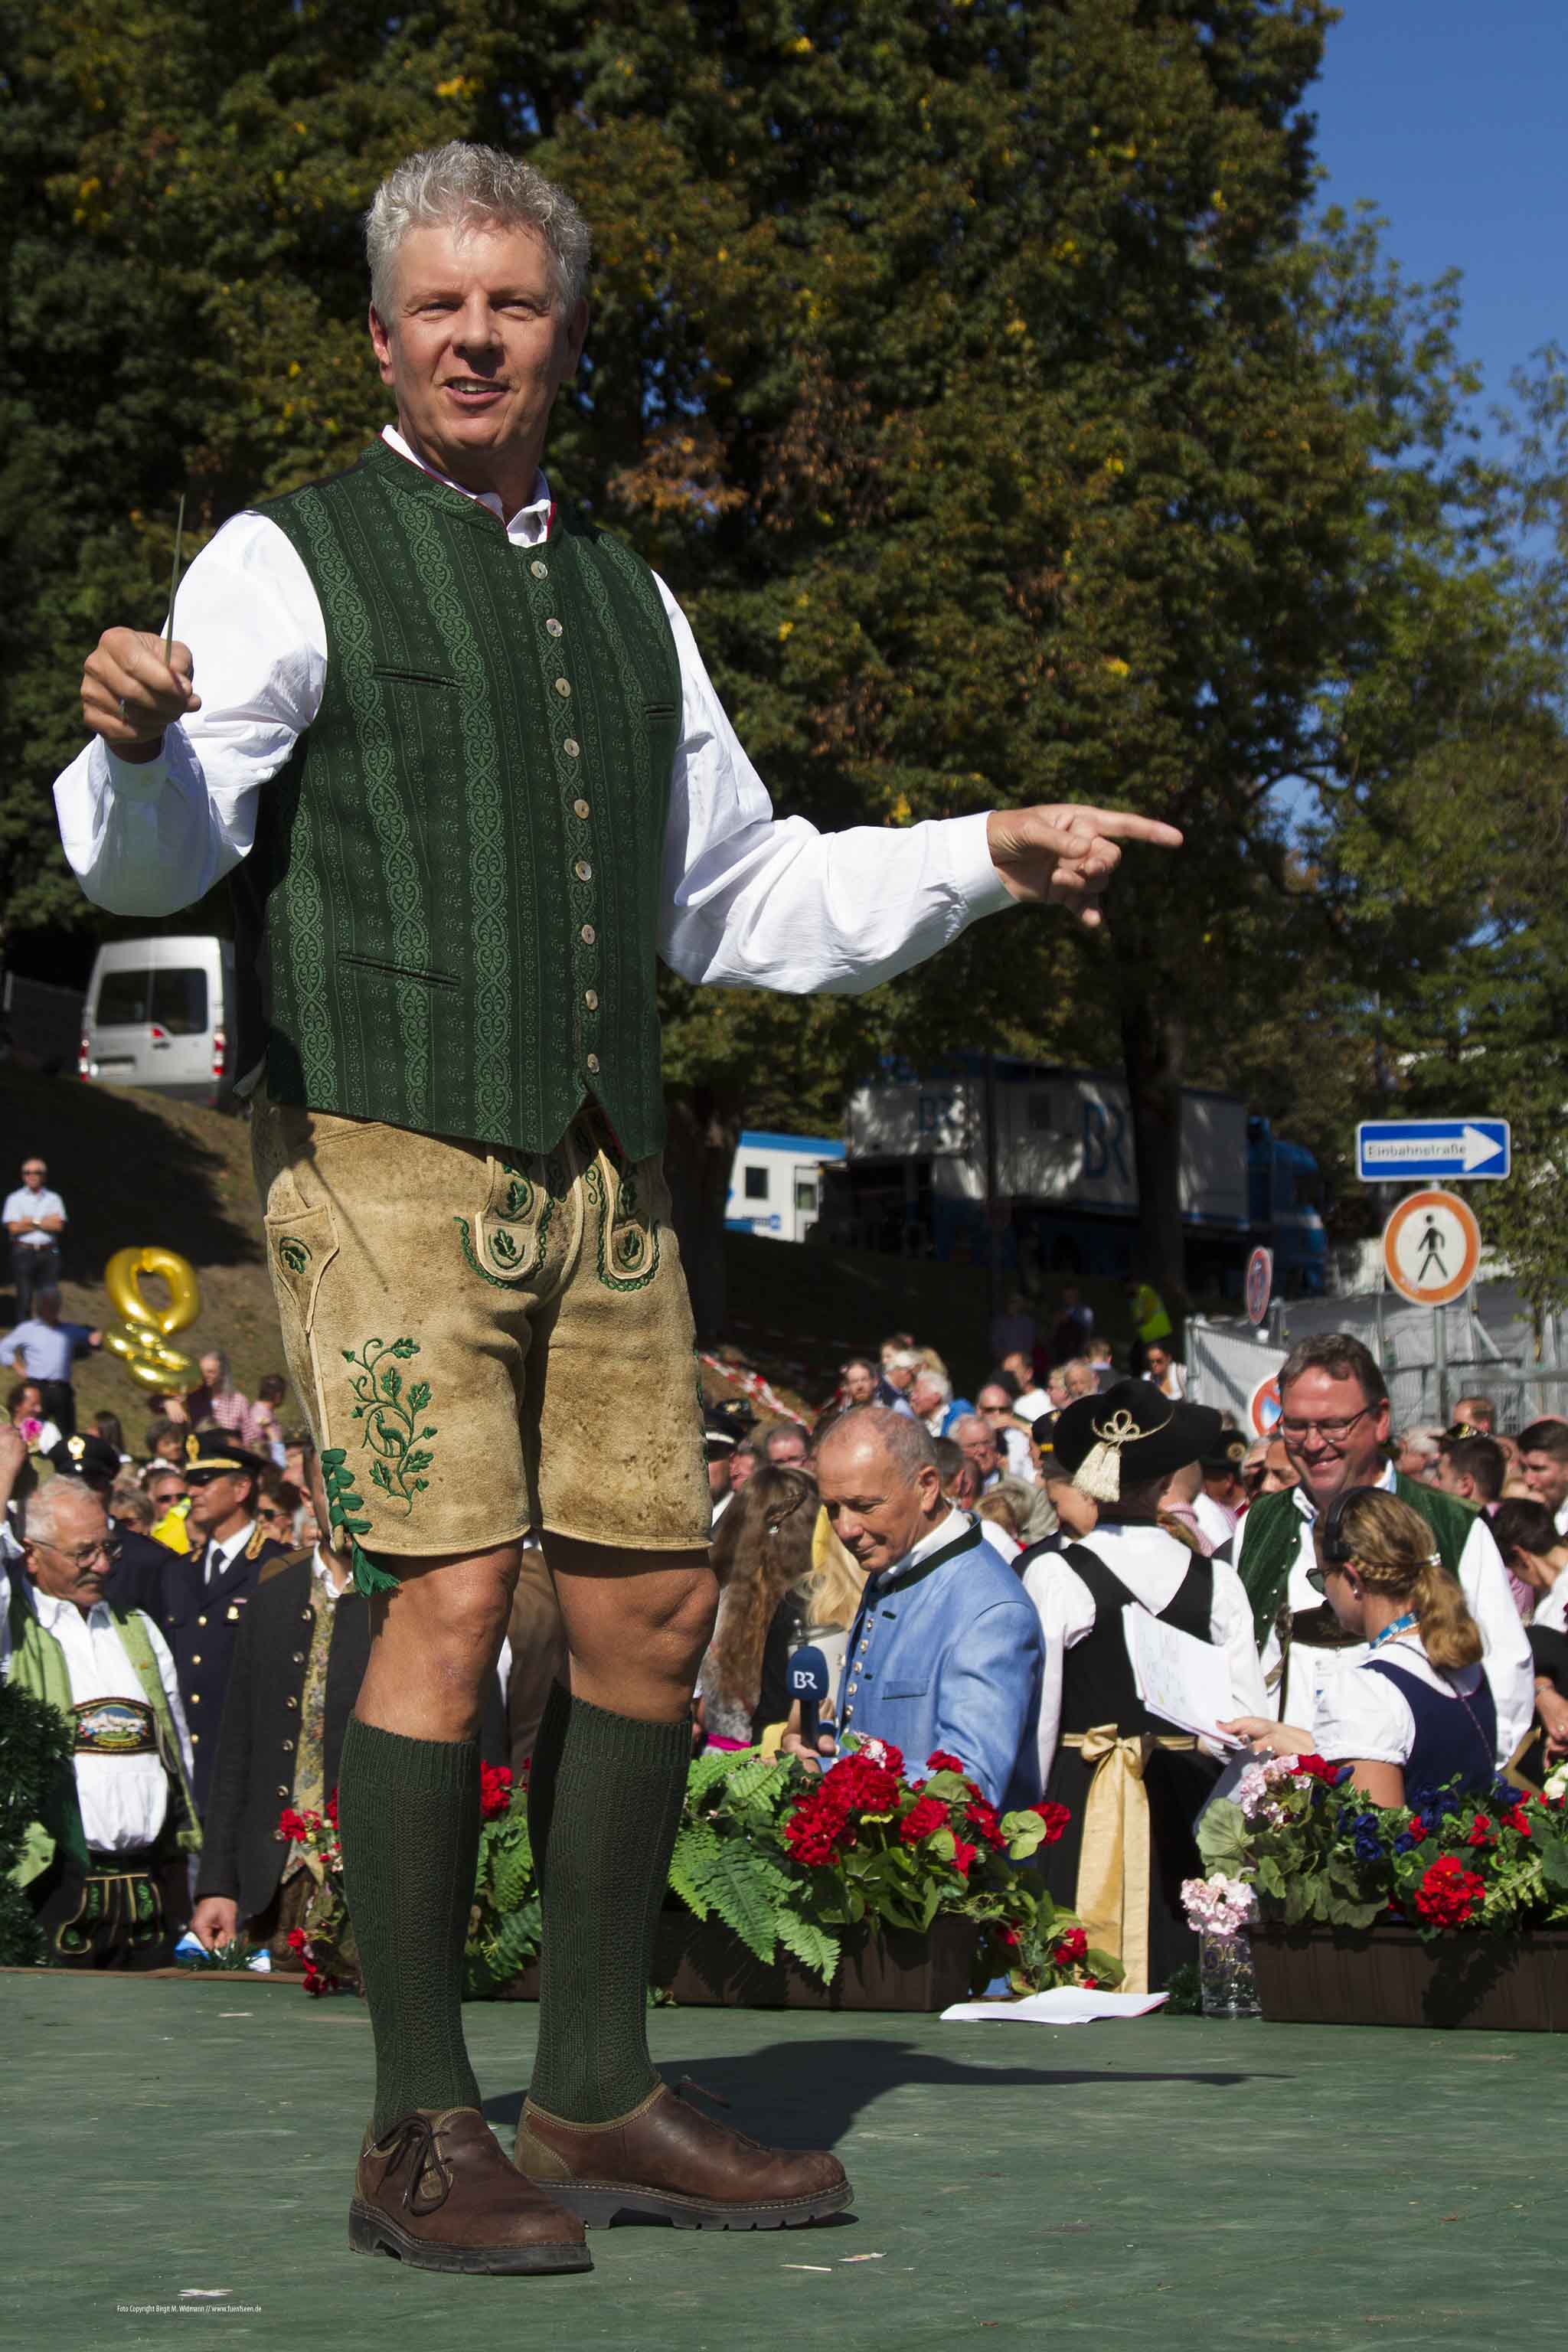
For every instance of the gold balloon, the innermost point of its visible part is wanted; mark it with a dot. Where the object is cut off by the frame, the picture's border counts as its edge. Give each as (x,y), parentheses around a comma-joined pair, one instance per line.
(139,1339)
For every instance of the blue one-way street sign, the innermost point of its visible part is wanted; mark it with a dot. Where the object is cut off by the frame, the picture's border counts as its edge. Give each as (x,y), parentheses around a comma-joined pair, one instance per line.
(1431,1150)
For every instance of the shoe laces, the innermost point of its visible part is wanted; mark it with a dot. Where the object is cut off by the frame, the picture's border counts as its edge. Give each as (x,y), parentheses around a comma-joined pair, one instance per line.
(414,2139)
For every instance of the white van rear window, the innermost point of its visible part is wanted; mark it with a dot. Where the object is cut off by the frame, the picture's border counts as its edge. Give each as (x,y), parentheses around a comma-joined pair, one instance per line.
(174,1001)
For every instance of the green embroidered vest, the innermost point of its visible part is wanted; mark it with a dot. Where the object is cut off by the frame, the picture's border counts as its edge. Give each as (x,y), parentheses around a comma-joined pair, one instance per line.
(39,1665)
(449,917)
(1272,1536)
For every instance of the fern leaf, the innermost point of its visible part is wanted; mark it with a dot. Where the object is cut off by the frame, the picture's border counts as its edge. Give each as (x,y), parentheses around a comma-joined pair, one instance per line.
(744,1890)
(697,1845)
(812,1947)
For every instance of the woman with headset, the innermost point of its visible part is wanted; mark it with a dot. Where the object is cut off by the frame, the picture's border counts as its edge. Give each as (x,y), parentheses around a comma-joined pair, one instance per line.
(1413,1710)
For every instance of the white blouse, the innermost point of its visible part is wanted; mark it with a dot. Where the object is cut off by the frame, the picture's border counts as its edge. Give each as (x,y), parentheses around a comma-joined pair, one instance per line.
(1364,1716)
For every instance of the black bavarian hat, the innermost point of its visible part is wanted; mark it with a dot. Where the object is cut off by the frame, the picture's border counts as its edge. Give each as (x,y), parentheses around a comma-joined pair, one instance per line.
(1227,1456)
(85,1456)
(213,1454)
(1131,1433)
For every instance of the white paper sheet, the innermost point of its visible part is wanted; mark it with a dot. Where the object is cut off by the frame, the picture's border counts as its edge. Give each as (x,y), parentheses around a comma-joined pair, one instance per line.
(1068,2005)
(1182,1680)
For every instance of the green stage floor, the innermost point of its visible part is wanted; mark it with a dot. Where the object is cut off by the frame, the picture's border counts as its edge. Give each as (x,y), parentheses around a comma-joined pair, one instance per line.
(1160,2183)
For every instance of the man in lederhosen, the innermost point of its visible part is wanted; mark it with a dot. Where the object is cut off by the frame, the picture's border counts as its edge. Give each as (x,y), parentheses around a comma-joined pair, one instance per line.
(456,747)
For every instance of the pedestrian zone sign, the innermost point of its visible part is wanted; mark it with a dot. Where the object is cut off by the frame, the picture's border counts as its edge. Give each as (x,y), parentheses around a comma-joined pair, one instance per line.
(1431,1249)
(1431,1150)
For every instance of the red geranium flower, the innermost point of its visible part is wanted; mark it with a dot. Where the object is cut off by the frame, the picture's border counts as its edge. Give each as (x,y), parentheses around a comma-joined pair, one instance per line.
(924,1817)
(1010,1936)
(332,1809)
(1089,1984)
(1070,1946)
(942,1762)
(1518,1819)
(1449,1893)
(296,1939)
(982,1819)
(294,1825)
(495,1791)
(1482,1830)
(962,1856)
(861,1787)
(1056,1819)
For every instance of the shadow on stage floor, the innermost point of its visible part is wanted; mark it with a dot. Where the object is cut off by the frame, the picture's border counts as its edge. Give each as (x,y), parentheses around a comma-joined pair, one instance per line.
(827,2085)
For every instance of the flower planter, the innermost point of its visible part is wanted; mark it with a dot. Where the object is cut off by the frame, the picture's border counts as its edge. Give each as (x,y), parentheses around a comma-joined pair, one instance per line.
(704,1966)
(1387,1976)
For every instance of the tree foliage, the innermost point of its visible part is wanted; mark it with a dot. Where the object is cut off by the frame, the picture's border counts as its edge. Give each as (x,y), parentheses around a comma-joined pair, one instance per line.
(976,376)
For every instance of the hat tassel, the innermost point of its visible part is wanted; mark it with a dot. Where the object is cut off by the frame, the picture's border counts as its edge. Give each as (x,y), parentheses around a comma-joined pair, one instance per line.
(1098,1474)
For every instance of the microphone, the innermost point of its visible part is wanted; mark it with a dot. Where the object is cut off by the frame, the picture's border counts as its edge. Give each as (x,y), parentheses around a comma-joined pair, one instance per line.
(810,1684)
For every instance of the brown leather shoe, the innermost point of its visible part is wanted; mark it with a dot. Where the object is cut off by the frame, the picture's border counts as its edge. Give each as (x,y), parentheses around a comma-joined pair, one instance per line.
(436,2191)
(667,2161)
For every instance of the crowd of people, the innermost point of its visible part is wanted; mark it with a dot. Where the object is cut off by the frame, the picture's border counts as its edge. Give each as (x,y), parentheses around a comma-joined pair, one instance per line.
(959,1565)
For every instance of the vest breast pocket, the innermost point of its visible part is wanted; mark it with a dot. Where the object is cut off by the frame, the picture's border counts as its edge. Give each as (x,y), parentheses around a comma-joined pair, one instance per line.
(906,1682)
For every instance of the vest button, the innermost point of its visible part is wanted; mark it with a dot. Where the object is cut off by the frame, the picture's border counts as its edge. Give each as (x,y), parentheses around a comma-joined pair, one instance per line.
(591,999)
(195,1740)
(572,748)
(287,1748)
(583,870)
(580,808)
(291,1704)
(283,1791)
(196,1657)
(195,1696)
(554,626)
(540,570)
(563,687)
(587,935)
(298,1657)
(593,1063)
(200,1620)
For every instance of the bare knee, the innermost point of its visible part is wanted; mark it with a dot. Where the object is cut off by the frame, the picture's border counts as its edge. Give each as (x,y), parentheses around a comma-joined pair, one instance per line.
(437,1640)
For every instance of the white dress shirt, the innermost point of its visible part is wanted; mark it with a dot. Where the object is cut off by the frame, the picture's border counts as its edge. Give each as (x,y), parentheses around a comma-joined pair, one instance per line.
(124,1799)
(1364,1717)
(749,901)
(1000,1541)
(1560,1517)
(1216,1523)
(220,1557)
(1152,1565)
(24,1203)
(1487,1597)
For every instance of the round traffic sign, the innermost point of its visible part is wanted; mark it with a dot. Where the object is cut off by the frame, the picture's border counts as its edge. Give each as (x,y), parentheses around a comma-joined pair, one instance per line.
(1431,1247)
(1259,1283)
(1265,1408)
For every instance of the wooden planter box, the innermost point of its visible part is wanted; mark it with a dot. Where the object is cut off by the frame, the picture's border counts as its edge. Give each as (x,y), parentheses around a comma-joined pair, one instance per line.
(1387,1976)
(705,1967)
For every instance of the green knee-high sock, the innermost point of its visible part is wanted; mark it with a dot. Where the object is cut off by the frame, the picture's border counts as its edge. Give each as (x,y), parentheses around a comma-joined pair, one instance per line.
(603,1813)
(408,1816)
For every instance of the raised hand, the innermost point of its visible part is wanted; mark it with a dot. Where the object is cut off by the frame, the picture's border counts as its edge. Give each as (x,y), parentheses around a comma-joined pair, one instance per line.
(130,693)
(1065,855)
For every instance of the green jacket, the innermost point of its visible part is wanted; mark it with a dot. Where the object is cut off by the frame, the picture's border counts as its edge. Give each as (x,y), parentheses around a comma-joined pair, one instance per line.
(449,919)
(1271,1536)
(39,1665)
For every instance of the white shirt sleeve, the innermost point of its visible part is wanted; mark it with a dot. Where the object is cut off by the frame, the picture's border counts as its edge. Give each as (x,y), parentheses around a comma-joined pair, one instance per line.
(170,1683)
(1510,1669)
(1361,1717)
(147,840)
(749,901)
(752,901)
(1230,1629)
(1066,1610)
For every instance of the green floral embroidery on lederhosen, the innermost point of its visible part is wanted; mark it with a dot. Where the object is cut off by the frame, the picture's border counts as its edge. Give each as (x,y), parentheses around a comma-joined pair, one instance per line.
(628,1248)
(295,1256)
(391,1415)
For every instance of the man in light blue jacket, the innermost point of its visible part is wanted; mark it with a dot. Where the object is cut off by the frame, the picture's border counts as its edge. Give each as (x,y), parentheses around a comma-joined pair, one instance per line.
(946,1653)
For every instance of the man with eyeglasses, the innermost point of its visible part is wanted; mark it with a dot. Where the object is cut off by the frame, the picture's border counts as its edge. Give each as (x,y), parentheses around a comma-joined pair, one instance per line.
(1334,1425)
(103,1865)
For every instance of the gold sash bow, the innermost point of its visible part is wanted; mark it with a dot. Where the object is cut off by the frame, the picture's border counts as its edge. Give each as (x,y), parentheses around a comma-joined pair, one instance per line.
(1112,1898)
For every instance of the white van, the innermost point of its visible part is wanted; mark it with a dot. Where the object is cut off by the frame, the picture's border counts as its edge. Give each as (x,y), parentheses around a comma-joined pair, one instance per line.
(159,1014)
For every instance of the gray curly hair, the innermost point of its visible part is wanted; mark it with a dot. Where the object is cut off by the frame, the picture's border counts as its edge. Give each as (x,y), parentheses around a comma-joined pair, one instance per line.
(467,186)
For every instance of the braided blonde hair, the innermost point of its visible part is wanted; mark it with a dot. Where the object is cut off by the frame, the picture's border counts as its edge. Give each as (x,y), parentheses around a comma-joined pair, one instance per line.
(1391,1549)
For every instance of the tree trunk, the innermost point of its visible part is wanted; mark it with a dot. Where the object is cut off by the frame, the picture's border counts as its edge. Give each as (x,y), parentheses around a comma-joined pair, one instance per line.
(698,1154)
(1155,1045)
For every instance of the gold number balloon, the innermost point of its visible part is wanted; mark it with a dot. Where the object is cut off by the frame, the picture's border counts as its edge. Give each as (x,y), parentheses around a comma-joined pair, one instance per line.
(139,1339)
